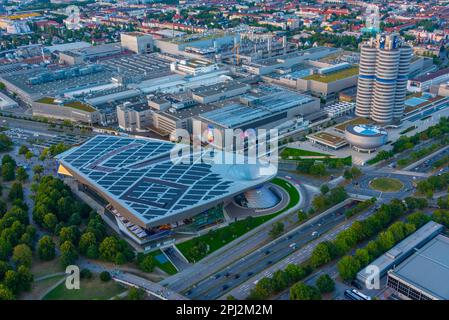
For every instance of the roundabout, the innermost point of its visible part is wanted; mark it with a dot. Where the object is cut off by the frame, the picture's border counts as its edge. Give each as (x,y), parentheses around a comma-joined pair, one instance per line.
(385,184)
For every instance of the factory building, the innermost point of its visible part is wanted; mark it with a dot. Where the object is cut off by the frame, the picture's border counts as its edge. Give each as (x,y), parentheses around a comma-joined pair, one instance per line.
(425,274)
(137,42)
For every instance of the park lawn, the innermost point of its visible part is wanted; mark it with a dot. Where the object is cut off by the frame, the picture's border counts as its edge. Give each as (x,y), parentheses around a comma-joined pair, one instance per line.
(291,153)
(41,268)
(90,289)
(220,237)
(386,184)
(39,288)
(166,267)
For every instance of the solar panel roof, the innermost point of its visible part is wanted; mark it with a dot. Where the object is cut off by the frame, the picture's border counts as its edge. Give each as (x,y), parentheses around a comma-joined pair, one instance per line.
(140,174)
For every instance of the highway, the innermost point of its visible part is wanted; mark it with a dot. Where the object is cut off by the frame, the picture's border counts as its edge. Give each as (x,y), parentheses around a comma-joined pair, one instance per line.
(242,291)
(240,271)
(236,249)
(360,187)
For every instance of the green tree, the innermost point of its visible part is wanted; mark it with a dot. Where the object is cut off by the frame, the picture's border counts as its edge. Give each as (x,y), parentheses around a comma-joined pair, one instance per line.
(86,241)
(16,191)
(38,169)
(109,248)
(322,254)
(86,274)
(277,229)
(198,250)
(105,276)
(50,222)
(23,149)
(386,240)
(3,208)
(348,267)
(363,256)
(68,253)
(441,216)
(279,280)
(136,294)
(302,216)
(296,273)
(12,281)
(25,278)
(324,189)
(146,262)
(6,293)
(5,143)
(301,291)
(21,174)
(262,290)
(69,234)
(325,283)
(22,255)
(8,173)
(318,169)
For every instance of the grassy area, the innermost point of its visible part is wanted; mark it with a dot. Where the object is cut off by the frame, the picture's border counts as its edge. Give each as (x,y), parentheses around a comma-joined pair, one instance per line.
(41,268)
(93,289)
(291,153)
(48,100)
(167,266)
(39,288)
(218,238)
(80,106)
(386,184)
(334,76)
(73,104)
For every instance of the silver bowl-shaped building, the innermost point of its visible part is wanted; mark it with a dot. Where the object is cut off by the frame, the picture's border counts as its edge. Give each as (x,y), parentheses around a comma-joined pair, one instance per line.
(365,137)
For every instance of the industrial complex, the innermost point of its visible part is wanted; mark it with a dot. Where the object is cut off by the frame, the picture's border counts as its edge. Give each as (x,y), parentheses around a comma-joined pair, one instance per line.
(224,150)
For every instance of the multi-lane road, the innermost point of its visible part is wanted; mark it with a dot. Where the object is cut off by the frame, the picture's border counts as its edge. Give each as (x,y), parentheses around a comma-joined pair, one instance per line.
(236,249)
(245,268)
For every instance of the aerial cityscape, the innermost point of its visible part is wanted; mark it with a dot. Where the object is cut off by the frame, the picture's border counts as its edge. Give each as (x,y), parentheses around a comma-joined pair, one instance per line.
(238,150)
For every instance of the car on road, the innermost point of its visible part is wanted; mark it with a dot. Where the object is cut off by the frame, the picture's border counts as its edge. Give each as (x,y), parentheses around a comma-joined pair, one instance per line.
(288,177)
(225,287)
(237,276)
(293,245)
(267,252)
(269,262)
(249,274)
(315,234)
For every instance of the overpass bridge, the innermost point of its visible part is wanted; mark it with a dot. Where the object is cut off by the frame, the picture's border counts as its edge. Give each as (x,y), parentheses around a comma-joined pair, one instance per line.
(150,287)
